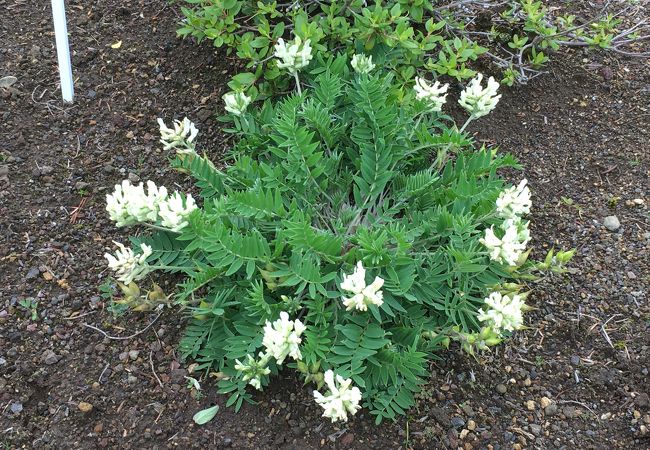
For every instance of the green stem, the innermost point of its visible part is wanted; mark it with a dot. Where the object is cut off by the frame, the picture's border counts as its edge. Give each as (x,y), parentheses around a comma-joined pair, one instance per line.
(295,75)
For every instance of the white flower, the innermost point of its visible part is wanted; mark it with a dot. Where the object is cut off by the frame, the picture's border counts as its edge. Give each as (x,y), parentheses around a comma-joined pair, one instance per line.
(509,248)
(363,295)
(173,211)
(117,204)
(293,56)
(340,400)
(282,338)
(362,63)
(128,204)
(514,201)
(254,370)
(523,233)
(504,312)
(433,94)
(128,266)
(182,135)
(236,102)
(478,101)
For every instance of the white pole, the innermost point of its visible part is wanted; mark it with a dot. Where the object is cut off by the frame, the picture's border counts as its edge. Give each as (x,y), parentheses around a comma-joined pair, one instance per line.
(63,50)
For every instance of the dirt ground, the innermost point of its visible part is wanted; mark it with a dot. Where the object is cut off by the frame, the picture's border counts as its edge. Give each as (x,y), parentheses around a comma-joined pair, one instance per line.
(578,378)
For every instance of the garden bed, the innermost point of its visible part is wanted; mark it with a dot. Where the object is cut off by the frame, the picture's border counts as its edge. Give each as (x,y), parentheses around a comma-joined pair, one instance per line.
(581,132)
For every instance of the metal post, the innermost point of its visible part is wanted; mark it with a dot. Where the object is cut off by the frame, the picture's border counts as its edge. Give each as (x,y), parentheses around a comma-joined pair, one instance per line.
(63,50)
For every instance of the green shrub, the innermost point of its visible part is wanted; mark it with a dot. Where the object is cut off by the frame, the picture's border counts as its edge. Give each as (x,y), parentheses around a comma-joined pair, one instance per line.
(355,208)
(446,37)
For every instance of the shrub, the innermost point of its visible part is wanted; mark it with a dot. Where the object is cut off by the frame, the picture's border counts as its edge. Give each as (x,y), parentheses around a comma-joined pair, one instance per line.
(354,233)
(516,36)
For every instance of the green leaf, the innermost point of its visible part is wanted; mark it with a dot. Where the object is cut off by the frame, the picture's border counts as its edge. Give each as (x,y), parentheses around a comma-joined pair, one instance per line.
(206,415)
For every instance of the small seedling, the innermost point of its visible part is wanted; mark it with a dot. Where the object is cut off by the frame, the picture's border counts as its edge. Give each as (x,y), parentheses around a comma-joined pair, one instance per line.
(195,388)
(31,305)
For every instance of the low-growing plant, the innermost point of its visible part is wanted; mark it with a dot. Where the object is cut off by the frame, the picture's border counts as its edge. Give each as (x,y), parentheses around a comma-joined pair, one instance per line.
(354,233)
(447,37)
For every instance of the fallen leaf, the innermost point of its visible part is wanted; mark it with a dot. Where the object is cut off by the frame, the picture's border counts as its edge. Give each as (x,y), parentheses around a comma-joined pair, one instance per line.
(206,415)
(117,45)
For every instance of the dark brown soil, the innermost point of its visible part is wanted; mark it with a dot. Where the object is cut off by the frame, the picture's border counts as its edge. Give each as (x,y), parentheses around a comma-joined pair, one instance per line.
(582,133)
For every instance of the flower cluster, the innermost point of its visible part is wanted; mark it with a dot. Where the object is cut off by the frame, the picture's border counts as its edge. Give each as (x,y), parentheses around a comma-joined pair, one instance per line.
(511,205)
(293,56)
(435,95)
(282,338)
(363,295)
(174,211)
(129,204)
(236,102)
(128,266)
(510,247)
(505,312)
(362,63)
(254,370)
(479,101)
(340,400)
(181,137)
(514,201)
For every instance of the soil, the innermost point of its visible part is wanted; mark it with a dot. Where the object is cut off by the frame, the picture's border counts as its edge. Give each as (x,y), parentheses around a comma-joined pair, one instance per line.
(577,378)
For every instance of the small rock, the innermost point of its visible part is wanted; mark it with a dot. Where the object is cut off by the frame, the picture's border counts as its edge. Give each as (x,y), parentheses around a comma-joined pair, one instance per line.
(85,407)
(575,360)
(545,401)
(530,405)
(133,354)
(606,416)
(347,440)
(16,407)
(471,425)
(33,273)
(133,178)
(642,400)
(535,429)
(551,410)
(457,422)
(131,379)
(49,357)
(463,433)
(501,388)
(79,185)
(99,428)
(612,223)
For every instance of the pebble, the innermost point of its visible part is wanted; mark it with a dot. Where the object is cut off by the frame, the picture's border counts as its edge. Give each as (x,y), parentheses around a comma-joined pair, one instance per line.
(530,405)
(457,422)
(535,429)
(501,388)
(49,357)
(471,425)
(575,360)
(85,407)
(99,428)
(612,223)
(133,354)
(551,409)
(16,407)
(545,401)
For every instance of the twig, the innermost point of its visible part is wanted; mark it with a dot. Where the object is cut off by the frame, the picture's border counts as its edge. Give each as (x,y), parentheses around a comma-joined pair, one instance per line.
(73,317)
(102,374)
(123,338)
(154,370)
